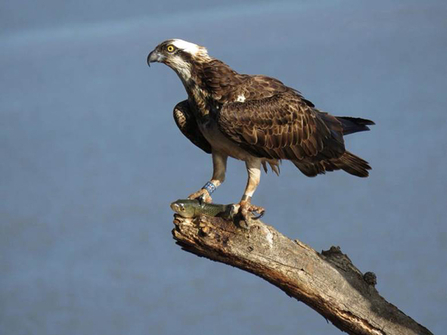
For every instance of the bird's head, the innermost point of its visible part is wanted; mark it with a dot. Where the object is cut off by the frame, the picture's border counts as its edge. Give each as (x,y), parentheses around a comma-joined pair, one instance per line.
(179,55)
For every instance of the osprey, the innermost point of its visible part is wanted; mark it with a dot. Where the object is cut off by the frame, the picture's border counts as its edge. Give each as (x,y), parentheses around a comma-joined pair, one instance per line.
(256,119)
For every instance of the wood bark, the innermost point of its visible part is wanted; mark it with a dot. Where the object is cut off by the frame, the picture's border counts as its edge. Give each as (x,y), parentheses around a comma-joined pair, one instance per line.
(327,282)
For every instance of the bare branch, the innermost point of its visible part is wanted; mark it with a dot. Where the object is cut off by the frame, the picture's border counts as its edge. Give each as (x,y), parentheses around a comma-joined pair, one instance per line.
(328,282)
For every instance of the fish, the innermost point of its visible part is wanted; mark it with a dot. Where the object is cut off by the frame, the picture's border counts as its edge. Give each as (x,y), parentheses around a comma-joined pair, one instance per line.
(192,208)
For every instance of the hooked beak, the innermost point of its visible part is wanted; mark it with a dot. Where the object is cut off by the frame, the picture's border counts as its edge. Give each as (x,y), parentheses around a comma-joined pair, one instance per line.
(154,56)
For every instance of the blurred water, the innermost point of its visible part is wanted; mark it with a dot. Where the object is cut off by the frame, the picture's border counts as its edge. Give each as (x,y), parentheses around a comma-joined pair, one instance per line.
(91,159)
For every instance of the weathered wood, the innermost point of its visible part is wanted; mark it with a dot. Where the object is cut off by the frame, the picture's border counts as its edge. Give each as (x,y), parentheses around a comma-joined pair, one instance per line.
(328,282)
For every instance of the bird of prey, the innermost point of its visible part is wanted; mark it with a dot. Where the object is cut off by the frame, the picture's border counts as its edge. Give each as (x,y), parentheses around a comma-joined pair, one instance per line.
(256,119)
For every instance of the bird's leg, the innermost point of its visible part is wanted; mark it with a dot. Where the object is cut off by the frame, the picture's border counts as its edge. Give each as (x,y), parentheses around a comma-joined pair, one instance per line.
(219,168)
(254,176)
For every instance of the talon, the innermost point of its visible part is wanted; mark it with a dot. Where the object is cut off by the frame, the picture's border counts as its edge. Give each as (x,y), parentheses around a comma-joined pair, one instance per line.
(260,214)
(247,211)
(202,195)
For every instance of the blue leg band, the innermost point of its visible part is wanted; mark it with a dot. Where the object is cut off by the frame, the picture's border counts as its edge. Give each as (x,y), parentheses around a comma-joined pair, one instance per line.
(210,187)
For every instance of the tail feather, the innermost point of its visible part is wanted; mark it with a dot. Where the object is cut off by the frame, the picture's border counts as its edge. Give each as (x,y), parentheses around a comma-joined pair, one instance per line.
(352,164)
(354,124)
(348,162)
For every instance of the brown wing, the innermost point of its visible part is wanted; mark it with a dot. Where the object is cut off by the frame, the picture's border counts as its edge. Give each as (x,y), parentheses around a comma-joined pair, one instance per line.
(282,126)
(260,87)
(225,84)
(188,126)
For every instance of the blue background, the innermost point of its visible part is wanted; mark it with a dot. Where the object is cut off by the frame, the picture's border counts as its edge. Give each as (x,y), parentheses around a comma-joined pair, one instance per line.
(90,159)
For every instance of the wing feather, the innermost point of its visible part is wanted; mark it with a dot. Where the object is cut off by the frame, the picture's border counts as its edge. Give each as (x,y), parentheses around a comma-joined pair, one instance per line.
(280,124)
(188,126)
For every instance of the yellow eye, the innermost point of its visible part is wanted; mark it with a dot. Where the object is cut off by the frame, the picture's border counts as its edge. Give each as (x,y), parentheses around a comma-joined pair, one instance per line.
(170,48)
